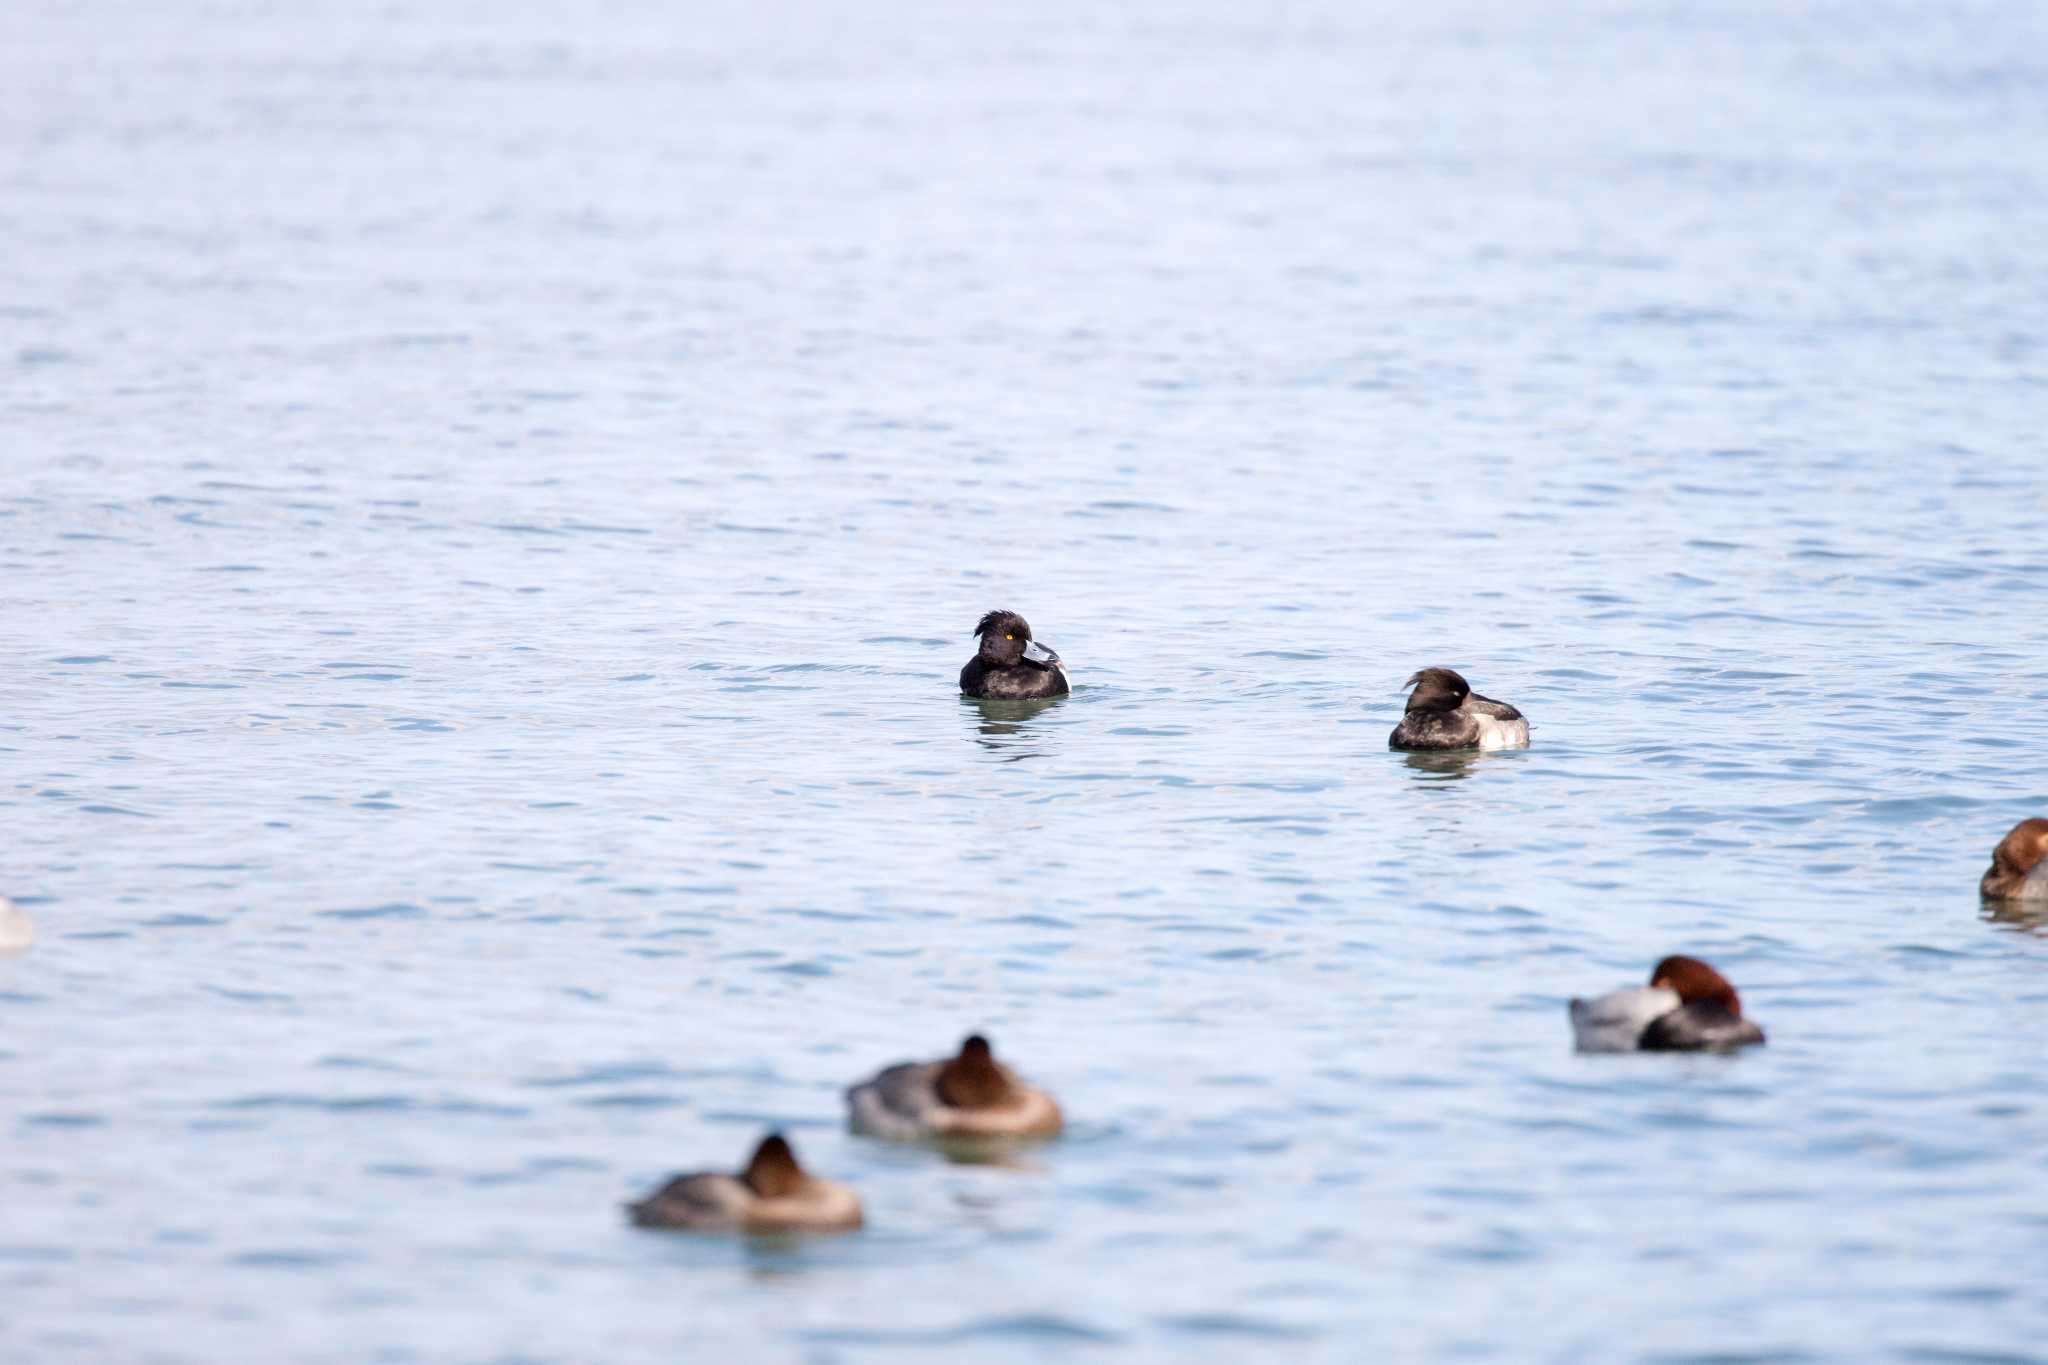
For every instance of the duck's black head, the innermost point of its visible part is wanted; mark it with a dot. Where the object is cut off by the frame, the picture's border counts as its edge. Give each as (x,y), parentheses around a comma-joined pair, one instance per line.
(1006,641)
(1437,689)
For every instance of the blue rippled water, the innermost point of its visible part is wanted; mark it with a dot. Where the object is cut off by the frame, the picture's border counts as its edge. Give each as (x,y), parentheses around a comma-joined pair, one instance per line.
(492,504)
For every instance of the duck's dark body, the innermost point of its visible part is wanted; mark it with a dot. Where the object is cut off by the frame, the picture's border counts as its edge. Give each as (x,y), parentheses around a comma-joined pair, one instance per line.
(1702,1026)
(1025,682)
(1010,665)
(706,1199)
(1445,713)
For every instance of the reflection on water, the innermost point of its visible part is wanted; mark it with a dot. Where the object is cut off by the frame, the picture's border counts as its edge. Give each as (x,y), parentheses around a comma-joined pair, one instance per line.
(771,1253)
(2027,917)
(1454,765)
(1008,1154)
(1004,727)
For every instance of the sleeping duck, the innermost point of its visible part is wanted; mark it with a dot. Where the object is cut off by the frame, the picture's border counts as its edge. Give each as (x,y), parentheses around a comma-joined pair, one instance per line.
(1687,1007)
(971,1095)
(1010,665)
(1445,713)
(773,1194)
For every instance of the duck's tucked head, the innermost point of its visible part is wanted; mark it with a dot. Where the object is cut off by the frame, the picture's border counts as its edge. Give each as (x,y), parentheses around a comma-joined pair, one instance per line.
(773,1172)
(1006,641)
(1437,689)
(1696,983)
(972,1080)
(2018,855)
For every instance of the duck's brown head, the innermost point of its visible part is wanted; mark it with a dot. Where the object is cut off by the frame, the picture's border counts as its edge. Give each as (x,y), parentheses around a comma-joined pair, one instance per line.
(972,1080)
(773,1172)
(2018,854)
(1696,982)
(1437,689)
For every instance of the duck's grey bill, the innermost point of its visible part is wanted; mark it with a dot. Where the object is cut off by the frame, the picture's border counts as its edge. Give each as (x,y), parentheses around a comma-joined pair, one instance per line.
(1039,654)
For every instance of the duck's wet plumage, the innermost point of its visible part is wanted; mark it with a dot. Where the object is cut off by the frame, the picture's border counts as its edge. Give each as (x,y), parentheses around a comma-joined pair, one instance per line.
(1010,665)
(1443,712)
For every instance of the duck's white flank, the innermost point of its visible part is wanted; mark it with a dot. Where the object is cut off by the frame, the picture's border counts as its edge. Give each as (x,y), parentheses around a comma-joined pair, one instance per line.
(1614,1022)
(1495,733)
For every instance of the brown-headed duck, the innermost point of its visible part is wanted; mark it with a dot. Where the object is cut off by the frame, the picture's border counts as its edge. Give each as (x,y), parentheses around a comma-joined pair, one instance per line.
(773,1194)
(1445,713)
(2019,865)
(1687,1007)
(971,1095)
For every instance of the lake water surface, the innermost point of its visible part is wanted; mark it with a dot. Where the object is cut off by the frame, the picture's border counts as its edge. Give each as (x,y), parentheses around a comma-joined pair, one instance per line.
(493,498)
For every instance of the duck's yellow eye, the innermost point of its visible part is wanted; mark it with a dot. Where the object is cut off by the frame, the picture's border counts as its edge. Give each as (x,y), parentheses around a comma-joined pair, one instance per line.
(1009,637)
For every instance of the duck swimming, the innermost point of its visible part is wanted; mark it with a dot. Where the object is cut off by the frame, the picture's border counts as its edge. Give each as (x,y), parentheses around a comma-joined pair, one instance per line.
(1687,1007)
(773,1194)
(1445,713)
(2019,865)
(971,1095)
(1010,665)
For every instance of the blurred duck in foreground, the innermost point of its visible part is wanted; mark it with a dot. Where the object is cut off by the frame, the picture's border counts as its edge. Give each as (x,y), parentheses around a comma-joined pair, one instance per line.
(2019,865)
(971,1095)
(1010,665)
(1445,713)
(17,931)
(773,1194)
(1687,1007)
